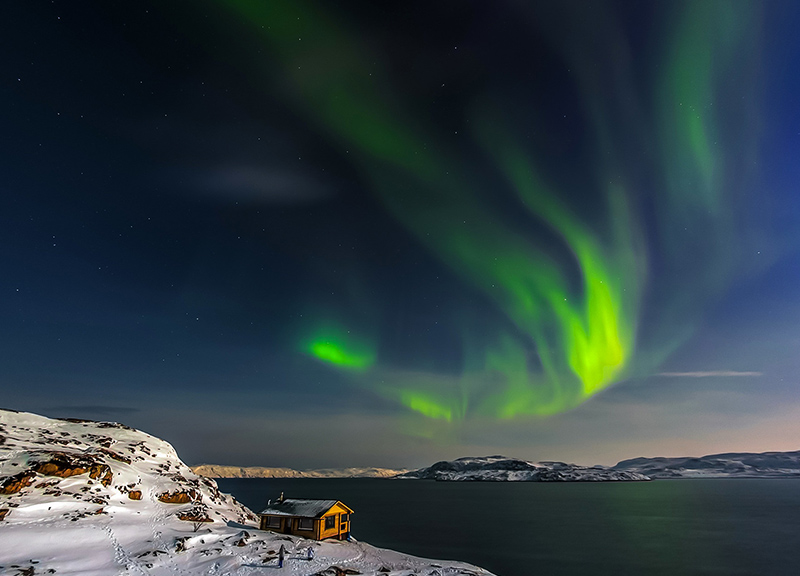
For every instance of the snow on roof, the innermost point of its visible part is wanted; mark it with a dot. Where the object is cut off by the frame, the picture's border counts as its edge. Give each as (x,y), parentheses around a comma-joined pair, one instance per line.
(303,507)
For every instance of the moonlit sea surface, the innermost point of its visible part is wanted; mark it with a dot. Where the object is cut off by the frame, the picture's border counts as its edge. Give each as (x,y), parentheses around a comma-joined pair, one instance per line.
(671,527)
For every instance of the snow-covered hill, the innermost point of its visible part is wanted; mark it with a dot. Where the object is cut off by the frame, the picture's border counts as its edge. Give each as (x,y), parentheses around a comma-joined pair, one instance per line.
(217,471)
(99,498)
(504,469)
(730,465)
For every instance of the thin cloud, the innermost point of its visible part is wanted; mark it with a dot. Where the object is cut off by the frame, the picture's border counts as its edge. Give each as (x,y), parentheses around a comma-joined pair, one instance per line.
(709,374)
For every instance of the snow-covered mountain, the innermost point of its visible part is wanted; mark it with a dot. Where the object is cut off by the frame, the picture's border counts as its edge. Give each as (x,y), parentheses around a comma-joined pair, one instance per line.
(217,471)
(504,469)
(99,498)
(730,465)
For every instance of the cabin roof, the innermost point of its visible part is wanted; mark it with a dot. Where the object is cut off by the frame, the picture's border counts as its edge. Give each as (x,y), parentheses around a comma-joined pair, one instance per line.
(302,507)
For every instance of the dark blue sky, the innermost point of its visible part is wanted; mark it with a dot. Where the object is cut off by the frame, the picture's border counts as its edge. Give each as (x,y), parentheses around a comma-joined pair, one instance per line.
(196,194)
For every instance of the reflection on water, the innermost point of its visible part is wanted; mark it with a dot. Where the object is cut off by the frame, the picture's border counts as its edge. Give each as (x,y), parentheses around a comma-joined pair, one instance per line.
(669,527)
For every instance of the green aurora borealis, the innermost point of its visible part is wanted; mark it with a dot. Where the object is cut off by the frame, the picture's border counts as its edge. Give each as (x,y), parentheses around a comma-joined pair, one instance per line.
(571,274)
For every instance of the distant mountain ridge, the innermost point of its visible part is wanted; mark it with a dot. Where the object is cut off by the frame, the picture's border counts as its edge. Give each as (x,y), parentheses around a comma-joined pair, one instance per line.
(505,469)
(216,471)
(727,465)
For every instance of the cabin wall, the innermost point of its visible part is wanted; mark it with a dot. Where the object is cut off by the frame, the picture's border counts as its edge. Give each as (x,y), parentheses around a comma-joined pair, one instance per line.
(340,529)
(291,525)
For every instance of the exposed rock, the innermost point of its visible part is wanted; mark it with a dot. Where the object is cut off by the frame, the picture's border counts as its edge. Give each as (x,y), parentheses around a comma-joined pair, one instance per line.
(243,538)
(135,494)
(103,473)
(3,513)
(179,496)
(17,482)
(63,465)
(115,455)
(195,514)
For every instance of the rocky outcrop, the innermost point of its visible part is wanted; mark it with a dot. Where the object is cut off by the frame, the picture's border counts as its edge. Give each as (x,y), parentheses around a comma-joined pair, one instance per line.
(115,455)
(17,482)
(86,466)
(197,513)
(179,497)
(63,465)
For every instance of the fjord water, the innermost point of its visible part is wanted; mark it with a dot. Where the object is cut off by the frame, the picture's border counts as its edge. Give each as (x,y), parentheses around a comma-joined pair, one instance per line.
(731,527)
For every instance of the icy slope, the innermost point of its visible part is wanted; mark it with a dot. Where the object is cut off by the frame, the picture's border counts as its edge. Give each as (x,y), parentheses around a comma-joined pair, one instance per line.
(98,498)
(504,469)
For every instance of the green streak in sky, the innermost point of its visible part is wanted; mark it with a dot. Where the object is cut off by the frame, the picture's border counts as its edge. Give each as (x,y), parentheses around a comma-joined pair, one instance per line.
(572,325)
(597,331)
(335,345)
(426,405)
(335,354)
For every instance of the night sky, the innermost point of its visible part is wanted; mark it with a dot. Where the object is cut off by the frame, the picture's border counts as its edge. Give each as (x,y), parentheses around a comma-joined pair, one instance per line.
(295,233)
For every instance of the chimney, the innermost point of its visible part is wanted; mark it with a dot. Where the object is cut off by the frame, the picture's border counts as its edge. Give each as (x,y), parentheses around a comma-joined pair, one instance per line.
(280,498)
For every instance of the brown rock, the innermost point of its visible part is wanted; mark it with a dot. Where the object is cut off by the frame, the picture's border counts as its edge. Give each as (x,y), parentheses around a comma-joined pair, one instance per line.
(17,482)
(3,514)
(103,472)
(179,497)
(63,465)
(116,456)
(56,469)
(196,514)
(135,494)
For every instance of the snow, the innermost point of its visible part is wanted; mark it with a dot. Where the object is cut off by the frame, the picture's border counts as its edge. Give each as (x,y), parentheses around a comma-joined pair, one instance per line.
(728,465)
(504,469)
(87,523)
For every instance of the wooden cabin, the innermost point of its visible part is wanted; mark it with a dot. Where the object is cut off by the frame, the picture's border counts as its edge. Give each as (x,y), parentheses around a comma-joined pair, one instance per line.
(315,519)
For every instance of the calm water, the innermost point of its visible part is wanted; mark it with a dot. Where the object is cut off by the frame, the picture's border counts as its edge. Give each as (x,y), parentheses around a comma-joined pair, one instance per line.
(670,527)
